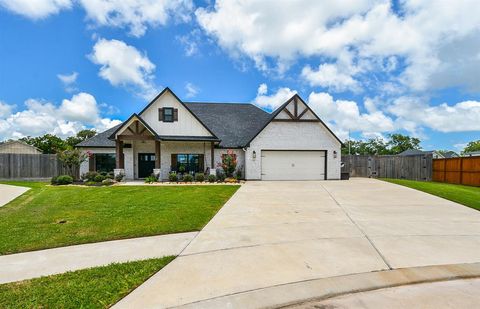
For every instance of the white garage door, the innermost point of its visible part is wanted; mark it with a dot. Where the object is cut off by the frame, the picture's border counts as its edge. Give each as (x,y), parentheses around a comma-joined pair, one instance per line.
(293,165)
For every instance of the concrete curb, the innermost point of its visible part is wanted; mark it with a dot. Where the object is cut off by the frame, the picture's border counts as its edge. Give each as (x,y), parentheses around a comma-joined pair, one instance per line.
(319,289)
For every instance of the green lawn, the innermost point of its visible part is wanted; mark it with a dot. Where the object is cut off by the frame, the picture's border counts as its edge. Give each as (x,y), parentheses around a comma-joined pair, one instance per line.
(466,195)
(49,216)
(98,287)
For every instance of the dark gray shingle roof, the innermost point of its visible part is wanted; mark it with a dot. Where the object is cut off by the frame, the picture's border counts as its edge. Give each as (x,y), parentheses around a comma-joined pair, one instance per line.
(233,123)
(100,140)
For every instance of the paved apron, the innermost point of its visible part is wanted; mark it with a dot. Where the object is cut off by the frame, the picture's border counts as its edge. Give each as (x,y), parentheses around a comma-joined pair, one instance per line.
(275,233)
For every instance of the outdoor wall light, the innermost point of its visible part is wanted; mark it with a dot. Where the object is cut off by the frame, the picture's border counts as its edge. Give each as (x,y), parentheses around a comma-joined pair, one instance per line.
(254,154)
(334,154)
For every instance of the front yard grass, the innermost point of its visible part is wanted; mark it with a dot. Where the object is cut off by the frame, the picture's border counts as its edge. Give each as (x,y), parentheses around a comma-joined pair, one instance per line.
(466,195)
(98,287)
(54,216)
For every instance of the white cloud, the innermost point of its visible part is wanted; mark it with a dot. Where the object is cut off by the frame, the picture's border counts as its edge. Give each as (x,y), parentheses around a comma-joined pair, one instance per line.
(190,42)
(345,115)
(330,76)
(36,9)
(462,116)
(191,89)
(5,109)
(69,81)
(124,65)
(431,40)
(137,15)
(274,100)
(40,117)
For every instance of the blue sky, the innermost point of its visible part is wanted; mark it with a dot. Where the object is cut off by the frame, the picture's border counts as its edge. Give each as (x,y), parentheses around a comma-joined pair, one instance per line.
(368,67)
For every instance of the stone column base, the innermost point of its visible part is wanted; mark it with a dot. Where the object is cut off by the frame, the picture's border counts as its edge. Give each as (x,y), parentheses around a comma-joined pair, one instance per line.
(119,171)
(157,172)
(213,171)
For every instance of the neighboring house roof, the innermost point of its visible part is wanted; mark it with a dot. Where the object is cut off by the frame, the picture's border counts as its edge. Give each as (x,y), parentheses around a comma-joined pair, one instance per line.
(7,144)
(417,152)
(413,152)
(472,153)
(450,154)
(233,123)
(100,140)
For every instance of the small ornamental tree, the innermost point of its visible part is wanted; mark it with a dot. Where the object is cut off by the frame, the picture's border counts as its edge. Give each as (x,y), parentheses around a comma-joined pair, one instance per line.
(229,163)
(71,160)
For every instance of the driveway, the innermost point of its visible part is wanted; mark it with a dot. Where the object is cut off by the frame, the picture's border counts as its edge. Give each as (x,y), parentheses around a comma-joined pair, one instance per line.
(8,193)
(277,233)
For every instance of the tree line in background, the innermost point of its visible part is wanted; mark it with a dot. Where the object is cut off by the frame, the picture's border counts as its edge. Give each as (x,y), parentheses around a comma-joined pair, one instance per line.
(396,144)
(50,143)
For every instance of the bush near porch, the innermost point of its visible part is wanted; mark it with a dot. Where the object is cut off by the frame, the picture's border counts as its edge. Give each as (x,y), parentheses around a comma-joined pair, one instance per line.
(54,216)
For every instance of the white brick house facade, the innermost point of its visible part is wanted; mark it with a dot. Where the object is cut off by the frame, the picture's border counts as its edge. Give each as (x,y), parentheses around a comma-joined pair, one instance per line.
(169,130)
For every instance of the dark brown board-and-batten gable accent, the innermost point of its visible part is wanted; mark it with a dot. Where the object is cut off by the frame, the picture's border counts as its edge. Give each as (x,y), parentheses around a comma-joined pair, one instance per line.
(278,110)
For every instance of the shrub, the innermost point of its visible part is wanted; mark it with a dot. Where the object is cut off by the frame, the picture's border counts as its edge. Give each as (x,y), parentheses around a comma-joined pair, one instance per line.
(229,163)
(99,178)
(211,178)
(89,176)
(64,180)
(238,174)
(119,177)
(53,181)
(91,183)
(231,180)
(110,175)
(200,177)
(172,177)
(108,182)
(104,174)
(151,179)
(188,178)
(220,175)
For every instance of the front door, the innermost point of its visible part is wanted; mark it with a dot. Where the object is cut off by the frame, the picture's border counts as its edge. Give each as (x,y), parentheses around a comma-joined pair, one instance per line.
(146,164)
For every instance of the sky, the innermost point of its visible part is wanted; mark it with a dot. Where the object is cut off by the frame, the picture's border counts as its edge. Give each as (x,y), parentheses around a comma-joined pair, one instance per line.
(367,68)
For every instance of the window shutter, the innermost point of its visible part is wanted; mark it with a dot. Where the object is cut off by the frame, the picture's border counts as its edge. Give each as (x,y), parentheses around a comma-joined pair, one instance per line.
(175,114)
(173,162)
(160,114)
(201,163)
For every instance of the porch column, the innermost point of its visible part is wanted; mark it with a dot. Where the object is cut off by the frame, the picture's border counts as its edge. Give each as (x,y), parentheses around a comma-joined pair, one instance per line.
(119,157)
(212,154)
(157,155)
(212,159)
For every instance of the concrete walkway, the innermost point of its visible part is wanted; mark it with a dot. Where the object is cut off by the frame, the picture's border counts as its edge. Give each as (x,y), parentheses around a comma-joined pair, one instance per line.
(21,266)
(277,233)
(9,193)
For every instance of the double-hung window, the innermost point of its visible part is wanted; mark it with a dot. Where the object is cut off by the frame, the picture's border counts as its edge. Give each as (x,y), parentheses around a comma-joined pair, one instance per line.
(168,114)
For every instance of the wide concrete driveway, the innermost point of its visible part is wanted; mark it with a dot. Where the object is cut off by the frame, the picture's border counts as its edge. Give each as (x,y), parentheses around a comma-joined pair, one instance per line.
(276,233)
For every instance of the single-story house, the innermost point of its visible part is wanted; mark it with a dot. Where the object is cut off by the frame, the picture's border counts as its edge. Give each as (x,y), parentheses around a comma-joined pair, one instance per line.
(291,143)
(18,147)
(472,154)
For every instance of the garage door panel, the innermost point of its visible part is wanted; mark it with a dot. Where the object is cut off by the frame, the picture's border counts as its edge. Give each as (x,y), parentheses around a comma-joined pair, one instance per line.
(293,165)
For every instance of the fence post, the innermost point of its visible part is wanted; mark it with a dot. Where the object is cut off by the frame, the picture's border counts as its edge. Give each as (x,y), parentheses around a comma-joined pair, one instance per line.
(461,170)
(445,170)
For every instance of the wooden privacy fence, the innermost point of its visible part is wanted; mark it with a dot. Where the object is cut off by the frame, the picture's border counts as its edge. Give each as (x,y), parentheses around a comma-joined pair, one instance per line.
(30,166)
(400,167)
(463,170)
